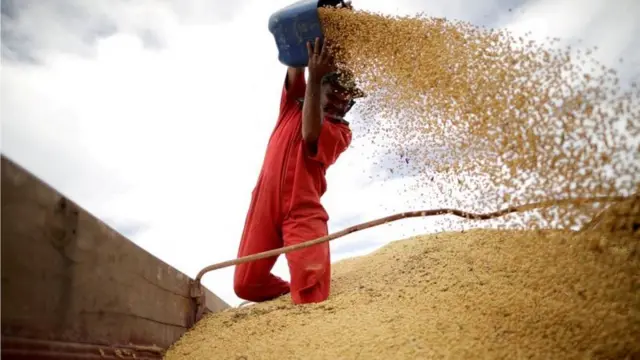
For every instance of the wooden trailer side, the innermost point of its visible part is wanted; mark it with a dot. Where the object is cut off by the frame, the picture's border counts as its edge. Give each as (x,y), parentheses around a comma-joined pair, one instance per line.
(74,287)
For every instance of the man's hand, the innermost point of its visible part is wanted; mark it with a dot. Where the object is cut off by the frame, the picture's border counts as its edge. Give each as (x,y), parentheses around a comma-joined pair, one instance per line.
(320,61)
(319,65)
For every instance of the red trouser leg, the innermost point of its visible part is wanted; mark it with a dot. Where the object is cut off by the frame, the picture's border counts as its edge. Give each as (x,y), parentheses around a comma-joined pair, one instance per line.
(253,281)
(310,267)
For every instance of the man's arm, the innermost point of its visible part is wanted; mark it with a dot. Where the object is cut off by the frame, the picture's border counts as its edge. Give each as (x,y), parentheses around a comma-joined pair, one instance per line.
(311,111)
(293,88)
(292,74)
(319,65)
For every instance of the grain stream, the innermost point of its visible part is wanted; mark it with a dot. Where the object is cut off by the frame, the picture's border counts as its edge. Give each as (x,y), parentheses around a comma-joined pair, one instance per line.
(486,119)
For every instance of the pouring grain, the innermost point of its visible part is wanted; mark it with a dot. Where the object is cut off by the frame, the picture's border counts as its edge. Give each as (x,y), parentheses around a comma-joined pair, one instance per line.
(486,119)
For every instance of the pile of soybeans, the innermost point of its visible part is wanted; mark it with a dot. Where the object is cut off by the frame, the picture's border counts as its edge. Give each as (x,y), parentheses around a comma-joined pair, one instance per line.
(502,121)
(481,294)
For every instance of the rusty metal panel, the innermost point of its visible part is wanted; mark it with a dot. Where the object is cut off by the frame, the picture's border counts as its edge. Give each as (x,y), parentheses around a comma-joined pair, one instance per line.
(69,278)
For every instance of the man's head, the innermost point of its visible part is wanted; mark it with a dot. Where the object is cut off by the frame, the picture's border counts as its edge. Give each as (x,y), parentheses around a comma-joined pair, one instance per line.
(338,94)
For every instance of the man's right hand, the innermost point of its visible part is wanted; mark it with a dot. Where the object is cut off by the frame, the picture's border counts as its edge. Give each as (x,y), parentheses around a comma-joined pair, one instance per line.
(320,61)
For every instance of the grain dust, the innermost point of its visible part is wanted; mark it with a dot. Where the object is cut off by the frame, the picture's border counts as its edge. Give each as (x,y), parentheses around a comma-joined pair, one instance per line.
(486,118)
(481,294)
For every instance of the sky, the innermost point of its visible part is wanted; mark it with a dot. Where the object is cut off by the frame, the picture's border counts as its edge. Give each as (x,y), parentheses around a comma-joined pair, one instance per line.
(154,115)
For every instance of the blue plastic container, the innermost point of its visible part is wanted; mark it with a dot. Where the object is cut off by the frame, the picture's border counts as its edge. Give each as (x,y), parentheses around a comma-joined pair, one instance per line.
(293,26)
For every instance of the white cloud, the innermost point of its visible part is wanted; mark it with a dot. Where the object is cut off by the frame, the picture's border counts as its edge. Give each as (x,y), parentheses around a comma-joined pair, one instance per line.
(172,137)
(585,24)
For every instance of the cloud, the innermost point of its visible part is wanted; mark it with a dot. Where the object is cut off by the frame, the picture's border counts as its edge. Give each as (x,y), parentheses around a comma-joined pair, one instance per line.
(75,26)
(154,116)
(585,24)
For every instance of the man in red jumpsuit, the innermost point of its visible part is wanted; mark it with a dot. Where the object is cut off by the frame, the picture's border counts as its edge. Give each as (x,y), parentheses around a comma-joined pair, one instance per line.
(285,206)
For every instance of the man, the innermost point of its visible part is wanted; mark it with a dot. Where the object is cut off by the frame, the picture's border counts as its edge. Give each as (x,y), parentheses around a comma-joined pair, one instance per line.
(285,208)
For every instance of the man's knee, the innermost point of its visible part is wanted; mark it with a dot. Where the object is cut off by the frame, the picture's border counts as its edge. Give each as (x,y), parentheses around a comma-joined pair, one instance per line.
(247,291)
(239,281)
(269,289)
(243,290)
(242,283)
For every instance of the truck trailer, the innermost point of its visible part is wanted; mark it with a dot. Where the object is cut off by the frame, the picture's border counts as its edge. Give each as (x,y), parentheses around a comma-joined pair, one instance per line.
(74,288)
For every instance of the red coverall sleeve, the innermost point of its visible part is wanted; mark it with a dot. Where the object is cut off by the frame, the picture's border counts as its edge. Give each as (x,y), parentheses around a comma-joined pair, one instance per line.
(333,140)
(297,90)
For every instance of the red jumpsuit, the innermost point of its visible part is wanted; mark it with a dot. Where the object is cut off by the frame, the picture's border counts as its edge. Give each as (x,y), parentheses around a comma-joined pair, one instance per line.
(285,208)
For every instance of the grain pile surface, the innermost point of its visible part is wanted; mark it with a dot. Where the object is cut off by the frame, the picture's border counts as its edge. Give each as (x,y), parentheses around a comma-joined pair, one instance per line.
(487,119)
(481,294)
